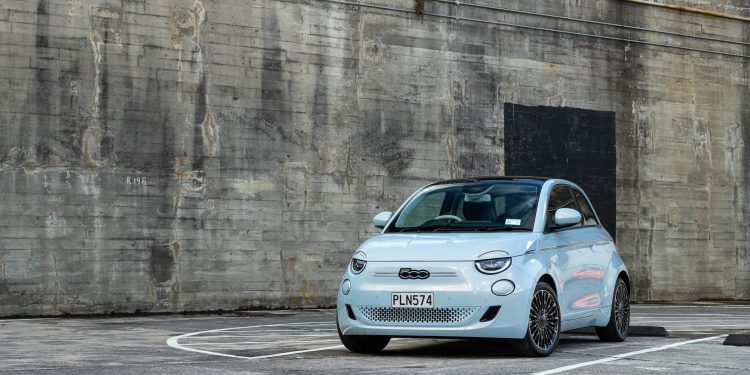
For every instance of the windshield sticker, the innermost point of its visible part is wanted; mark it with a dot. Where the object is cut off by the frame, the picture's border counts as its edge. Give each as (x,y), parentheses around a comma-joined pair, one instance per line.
(512,221)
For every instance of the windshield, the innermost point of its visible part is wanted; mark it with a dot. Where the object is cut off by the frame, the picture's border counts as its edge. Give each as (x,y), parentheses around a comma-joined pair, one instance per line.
(482,206)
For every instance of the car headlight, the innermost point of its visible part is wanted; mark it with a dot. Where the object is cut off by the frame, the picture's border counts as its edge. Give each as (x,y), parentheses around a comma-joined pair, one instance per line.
(358,265)
(492,266)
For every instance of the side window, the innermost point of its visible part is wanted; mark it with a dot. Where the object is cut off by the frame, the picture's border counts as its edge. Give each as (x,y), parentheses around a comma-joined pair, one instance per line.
(426,210)
(586,211)
(560,197)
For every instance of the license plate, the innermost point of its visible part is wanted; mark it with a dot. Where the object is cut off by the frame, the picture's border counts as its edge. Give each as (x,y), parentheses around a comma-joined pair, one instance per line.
(420,300)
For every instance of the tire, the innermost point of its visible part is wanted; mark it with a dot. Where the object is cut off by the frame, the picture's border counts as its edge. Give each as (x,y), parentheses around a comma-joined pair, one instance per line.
(363,344)
(618,326)
(543,330)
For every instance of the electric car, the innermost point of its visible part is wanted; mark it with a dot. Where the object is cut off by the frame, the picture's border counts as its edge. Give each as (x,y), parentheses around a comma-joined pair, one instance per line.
(518,258)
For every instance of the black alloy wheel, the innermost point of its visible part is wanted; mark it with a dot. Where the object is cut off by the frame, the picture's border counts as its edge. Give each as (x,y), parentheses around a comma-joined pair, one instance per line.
(619,321)
(543,332)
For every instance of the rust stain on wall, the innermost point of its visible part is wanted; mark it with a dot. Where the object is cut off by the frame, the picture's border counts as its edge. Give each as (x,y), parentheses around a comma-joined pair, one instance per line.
(106,24)
(210,135)
(309,291)
(454,170)
(164,266)
(91,147)
(189,180)
(105,27)
(185,28)
(186,23)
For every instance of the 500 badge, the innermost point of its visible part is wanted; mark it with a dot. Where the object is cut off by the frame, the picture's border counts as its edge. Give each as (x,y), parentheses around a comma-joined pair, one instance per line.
(408,273)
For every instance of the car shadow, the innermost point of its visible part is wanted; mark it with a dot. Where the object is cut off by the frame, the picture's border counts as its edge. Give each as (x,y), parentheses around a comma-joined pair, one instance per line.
(468,348)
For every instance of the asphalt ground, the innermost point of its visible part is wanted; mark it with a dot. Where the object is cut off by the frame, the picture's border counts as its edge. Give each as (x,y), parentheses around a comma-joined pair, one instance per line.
(306,342)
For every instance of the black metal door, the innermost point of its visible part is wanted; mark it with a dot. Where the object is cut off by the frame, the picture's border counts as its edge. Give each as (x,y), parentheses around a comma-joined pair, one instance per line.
(570,143)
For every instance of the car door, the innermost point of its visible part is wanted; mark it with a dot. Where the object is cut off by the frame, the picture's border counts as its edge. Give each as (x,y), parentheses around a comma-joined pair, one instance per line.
(574,262)
(594,270)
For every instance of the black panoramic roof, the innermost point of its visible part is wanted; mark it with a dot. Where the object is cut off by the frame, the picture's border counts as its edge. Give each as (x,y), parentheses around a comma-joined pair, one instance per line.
(469,180)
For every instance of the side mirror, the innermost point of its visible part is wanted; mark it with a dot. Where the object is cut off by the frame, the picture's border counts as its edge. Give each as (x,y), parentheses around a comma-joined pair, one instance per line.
(565,217)
(381,219)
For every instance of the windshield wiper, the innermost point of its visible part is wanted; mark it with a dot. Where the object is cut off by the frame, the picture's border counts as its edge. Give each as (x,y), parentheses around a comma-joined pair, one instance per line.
(427,228)
(449,228)
(501,229)
(482,229)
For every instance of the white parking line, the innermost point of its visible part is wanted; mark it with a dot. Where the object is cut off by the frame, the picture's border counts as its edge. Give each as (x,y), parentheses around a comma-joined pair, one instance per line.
(295,352)
(174,341)
(661,307)
(625,355)
(245,343)
(683,315)
(254,336)
(692,323)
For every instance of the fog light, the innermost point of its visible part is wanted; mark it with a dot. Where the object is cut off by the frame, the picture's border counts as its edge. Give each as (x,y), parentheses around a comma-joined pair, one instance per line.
(503,287)
(346,286)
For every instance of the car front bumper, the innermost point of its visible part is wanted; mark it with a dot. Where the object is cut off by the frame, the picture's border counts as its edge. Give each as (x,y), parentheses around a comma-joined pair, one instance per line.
(460,304)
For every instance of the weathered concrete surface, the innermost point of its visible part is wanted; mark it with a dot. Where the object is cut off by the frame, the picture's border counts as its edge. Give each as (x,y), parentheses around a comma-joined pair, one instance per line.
(137,345)
(175,155)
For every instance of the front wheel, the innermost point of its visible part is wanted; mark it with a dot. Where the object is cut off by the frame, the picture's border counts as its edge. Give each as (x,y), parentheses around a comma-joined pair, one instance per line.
(618,326)
(543,332)
(363,344)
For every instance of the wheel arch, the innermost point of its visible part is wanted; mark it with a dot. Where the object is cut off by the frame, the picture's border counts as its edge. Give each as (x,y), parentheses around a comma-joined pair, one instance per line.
(626,278)
(616,269)
(547,278)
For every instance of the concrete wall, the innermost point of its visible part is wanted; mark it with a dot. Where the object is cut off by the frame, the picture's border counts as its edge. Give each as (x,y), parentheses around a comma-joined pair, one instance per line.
(171,155)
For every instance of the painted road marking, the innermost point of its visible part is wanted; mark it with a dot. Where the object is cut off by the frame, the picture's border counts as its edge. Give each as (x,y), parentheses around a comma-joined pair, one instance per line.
(174,341)
(625,355)
(241,343)
(296,352)
(654,315)
(694,306)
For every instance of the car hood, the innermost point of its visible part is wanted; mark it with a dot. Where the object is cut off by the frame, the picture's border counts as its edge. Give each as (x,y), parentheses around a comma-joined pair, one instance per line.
(444,247)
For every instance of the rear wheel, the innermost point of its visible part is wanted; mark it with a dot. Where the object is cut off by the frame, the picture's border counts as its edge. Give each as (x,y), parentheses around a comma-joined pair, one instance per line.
(619,319)
(543,332)
(363,344)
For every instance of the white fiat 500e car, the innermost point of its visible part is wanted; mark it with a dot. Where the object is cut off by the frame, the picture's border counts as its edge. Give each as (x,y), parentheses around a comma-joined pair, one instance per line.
(520,258)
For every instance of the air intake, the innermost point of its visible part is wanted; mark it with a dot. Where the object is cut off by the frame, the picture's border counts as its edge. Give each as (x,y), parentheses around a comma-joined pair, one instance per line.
(490,314)
(350,312)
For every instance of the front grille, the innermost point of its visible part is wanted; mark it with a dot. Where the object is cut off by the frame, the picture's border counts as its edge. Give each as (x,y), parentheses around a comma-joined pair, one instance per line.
(445,315)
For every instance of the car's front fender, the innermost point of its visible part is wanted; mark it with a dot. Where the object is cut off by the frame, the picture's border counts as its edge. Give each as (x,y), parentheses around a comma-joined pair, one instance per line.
(615,267)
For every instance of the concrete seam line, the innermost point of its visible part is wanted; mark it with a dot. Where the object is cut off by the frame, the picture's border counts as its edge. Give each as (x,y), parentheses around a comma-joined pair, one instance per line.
(625,355)
(593,22)
(508,24)
(174,341)
(704,12)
